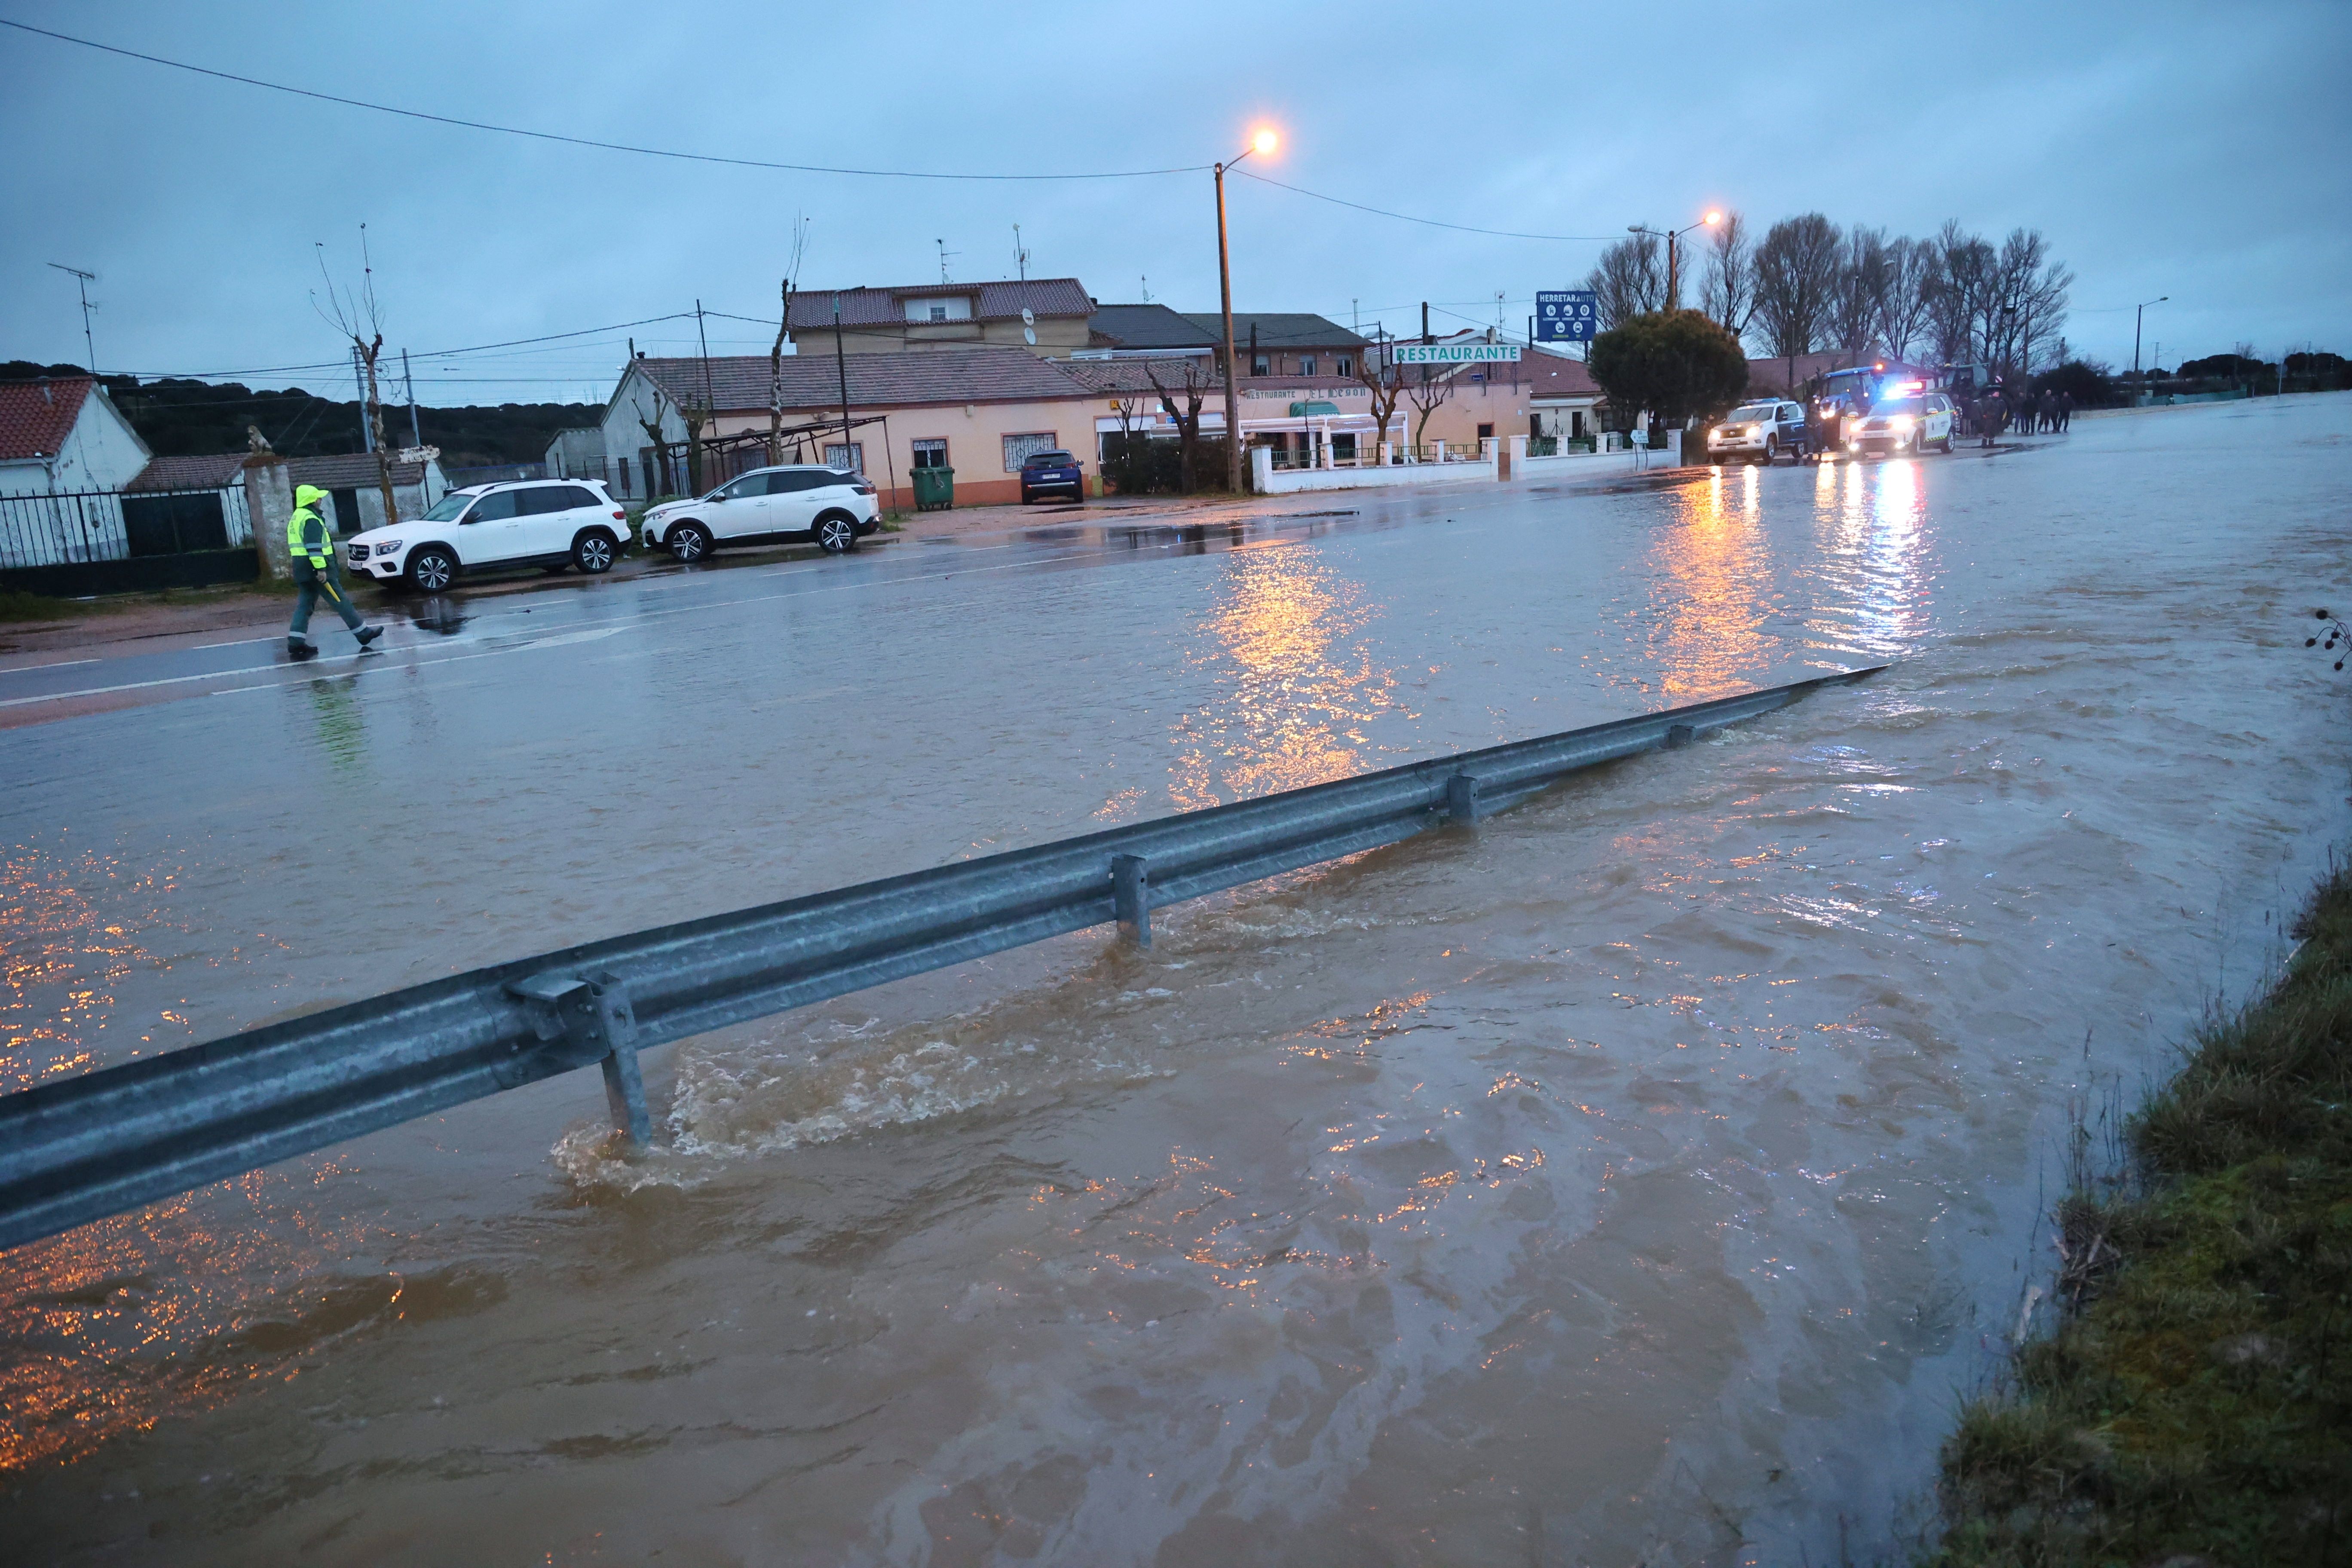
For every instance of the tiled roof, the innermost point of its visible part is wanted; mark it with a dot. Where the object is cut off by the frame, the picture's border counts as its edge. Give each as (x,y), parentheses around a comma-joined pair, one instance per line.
(36,416)
(348,471)
(1134,375)
(218,470)
(210,471)
(1149,327)
(1553,376)
(1278,330)
(863,306)
(739,383)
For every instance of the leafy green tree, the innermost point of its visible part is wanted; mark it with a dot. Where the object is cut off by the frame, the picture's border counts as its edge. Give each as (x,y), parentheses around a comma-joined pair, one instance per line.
(1676,363)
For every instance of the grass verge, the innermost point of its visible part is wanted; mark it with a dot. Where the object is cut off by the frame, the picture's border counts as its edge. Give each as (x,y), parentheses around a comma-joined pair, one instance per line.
(2194,1401)
(18,606)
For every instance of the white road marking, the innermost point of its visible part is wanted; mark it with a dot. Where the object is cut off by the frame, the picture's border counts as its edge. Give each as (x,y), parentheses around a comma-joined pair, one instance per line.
(61,664)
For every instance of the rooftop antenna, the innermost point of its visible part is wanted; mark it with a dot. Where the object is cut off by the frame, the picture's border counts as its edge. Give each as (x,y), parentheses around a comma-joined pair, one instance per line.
(83,281)
(944,253)
(1147,287)
(1020,255)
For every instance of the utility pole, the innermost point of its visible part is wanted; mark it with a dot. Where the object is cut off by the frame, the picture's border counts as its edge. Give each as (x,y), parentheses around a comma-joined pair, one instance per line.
(415,437)
(1020,255)
(2138,313)
(82,280)
(703,337)
(1424,323)
(1260,143)
(841,362)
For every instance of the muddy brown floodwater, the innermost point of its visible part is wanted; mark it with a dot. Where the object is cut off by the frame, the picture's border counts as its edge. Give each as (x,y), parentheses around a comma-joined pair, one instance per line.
(1639,1177)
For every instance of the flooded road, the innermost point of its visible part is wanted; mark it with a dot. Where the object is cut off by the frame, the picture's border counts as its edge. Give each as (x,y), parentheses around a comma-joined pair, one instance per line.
(1637,1177)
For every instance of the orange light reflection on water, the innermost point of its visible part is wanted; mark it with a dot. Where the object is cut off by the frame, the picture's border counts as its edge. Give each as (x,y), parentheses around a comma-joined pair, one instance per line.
(1296,681)
(1713,586)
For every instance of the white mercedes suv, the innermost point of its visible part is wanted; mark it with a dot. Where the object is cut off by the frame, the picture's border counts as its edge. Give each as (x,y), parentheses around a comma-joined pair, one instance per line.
(549,523)
(794,501)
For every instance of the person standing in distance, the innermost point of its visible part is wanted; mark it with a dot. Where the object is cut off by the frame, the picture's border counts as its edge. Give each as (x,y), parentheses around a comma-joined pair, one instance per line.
(311,547)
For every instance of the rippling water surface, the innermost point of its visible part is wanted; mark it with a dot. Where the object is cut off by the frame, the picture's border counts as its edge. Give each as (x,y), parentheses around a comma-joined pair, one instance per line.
(1635,1178)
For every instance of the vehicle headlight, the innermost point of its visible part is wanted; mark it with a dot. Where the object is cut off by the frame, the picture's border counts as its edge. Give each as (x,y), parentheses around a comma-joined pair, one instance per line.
(388,547)
(1901,422)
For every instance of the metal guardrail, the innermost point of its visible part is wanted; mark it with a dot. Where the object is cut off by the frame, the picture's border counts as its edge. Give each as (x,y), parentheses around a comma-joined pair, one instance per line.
(81,1148)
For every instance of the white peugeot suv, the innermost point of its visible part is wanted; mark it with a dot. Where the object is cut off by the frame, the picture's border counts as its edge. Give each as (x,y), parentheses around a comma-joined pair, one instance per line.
(797,501)
(549,523)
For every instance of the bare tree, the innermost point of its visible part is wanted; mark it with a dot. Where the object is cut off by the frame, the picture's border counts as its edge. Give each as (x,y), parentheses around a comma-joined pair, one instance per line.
(1630,281)
(1378,377)
(1961,293)
(657,435)
(776,353)
(2026,305)
(1197,381)
(1427,395)
(1796,280)
(1903,308)
(697,416)
(1858,302)
(358,317)
(1729,293)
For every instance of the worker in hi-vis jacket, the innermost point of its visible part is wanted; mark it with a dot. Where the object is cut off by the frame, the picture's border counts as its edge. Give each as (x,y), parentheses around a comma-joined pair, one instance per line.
(311,547)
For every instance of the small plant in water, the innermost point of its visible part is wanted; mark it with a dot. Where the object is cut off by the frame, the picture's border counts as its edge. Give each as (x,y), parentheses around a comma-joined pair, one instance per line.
(2338,634)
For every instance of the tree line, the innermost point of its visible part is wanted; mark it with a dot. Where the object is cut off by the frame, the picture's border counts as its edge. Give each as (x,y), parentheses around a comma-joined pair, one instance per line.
(186,418)
(1808,286)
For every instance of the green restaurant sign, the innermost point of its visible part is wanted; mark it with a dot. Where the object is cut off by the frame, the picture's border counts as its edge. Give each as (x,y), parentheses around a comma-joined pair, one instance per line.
(1456,353)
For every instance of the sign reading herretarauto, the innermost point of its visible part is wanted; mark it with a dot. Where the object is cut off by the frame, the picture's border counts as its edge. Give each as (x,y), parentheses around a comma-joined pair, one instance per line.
(1566,315)
(1454,353)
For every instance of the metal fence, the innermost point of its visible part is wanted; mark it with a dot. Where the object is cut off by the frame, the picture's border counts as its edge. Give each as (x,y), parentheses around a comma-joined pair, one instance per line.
(86,526)
(78,1149)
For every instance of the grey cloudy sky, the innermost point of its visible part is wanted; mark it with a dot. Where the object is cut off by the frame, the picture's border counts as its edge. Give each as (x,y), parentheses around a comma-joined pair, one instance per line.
(2198,150)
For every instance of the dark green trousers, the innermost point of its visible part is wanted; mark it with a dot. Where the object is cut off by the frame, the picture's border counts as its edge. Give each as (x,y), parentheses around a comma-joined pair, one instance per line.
(312,584)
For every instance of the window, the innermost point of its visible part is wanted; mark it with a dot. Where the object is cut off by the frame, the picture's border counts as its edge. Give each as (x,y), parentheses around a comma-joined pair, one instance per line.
(1260,365)
(496,507)
(1343,446)
(748,486)
(1307,364)
(1485,431)
(940,308)
(552,498)
(1018,447)
(851,457)
(1343,364)
(930,454)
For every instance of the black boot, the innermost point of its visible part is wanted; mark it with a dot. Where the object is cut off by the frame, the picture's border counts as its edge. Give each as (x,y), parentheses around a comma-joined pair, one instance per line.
(367,635)
(299,650)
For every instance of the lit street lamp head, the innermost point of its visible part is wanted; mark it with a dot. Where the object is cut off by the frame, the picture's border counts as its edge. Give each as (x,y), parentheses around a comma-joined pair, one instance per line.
(1715,217)
(1265,142)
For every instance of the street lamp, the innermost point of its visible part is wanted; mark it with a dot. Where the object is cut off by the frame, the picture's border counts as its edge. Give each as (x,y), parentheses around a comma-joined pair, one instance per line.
(2137,313)
(1263,144)
(1673,292)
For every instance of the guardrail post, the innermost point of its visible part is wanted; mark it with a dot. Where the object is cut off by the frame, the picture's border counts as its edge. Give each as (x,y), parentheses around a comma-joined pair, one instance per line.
(595,1015)
(1677,736)
(1130,895)
(1462,798)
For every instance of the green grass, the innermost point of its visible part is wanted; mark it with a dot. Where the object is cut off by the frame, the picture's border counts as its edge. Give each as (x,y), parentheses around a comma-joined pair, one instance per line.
(2196,1396)
(17,607)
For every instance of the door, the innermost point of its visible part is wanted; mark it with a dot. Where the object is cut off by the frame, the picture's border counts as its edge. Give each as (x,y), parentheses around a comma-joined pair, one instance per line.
(553,515)
(492,530)
(748,507)
(799,495)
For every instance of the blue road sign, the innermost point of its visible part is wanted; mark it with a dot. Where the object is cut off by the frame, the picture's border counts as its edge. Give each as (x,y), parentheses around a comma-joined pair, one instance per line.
(1565,315)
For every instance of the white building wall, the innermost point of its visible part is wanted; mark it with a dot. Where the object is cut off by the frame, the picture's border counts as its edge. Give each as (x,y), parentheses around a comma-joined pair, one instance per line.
(624,436)
(102,452)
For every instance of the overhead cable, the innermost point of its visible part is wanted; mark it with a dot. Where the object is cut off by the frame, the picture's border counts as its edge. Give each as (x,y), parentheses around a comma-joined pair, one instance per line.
(583,141)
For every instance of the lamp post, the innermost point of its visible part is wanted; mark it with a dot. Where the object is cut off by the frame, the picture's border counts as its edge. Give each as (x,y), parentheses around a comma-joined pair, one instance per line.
(1263,141)
(1674,290)
(2139,311)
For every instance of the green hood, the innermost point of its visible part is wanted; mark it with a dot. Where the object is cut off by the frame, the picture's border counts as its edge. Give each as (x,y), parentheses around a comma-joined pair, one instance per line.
(308,495)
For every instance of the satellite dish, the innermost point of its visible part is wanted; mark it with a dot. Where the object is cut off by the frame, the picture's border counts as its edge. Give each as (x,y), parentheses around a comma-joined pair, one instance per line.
(1028,319)
(1029,334)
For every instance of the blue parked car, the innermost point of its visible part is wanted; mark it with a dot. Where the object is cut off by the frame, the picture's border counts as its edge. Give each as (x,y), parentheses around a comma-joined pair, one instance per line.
(1051,473)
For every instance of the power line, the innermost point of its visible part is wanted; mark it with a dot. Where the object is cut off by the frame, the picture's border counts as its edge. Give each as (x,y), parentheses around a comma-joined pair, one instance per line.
(1431,222)
(583,141)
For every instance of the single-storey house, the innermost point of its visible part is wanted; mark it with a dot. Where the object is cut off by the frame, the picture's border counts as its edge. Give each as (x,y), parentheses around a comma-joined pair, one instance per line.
(576,453)
(1563,400)
(62,435)
(349,479)
(979,410)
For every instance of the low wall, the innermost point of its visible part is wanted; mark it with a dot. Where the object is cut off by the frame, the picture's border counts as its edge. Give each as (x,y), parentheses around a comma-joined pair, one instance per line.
(140,574)
(1273,481)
